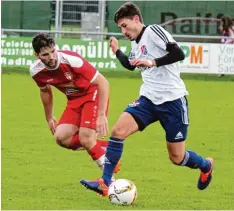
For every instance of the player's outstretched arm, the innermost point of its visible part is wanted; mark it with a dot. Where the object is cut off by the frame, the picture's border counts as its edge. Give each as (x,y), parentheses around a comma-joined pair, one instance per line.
(103,91)
(46,95)
(124,60)
(120,55)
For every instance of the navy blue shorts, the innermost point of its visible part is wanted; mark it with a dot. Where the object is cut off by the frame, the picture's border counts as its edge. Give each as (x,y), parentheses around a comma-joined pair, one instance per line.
(172,115)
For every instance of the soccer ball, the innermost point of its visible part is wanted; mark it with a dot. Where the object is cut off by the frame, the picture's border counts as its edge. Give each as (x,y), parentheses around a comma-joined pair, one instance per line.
(122,192)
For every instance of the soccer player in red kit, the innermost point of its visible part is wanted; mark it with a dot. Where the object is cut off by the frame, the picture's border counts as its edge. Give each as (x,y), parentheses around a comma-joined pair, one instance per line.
(87,93)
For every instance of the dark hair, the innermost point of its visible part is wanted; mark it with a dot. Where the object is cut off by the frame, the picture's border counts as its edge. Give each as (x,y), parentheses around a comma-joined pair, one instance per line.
(127,10)
(42,40)
(227,22)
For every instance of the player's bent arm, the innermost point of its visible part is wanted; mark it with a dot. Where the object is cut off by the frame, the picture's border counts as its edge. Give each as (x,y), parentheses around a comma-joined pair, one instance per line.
(175,54)
(103,92)
(46,95)
(124,60)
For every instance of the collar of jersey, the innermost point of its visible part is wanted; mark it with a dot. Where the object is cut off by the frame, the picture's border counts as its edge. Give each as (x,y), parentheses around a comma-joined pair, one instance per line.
(140,35)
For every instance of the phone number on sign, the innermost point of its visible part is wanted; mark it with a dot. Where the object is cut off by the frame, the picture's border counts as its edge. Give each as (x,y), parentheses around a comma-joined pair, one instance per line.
(16,51)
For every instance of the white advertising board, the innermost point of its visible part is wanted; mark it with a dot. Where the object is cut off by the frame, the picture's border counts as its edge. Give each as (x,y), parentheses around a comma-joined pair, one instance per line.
(207,58)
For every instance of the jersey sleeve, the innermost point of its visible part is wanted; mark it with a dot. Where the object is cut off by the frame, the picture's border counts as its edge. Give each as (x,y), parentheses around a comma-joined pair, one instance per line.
(82,67)
(41,85)
(160,37)
(36,77)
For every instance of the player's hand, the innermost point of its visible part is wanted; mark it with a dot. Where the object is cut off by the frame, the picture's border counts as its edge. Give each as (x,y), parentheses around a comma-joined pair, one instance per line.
(52,123)
(142,63)
(102,126)
(114,44)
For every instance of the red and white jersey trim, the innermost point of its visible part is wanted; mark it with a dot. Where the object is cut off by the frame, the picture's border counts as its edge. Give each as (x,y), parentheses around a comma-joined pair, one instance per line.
(94,77)
(63,58)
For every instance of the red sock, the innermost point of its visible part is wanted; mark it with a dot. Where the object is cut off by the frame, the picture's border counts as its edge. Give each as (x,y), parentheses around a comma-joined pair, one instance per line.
(97,153)
(75,143)
(102,143)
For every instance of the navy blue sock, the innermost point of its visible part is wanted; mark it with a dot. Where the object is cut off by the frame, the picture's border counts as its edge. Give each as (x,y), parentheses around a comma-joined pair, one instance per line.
(113,153)
(193,160)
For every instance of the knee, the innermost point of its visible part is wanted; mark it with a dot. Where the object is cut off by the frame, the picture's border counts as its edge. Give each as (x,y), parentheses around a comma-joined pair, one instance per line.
(176,159)
(87,139)
(60,139)
(119,132)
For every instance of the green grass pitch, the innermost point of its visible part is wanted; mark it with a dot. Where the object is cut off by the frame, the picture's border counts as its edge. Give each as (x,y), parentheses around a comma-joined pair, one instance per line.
(38,174)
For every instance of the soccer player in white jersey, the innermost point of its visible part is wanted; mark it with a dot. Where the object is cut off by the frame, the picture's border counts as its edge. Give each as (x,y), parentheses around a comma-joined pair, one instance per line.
(162,97)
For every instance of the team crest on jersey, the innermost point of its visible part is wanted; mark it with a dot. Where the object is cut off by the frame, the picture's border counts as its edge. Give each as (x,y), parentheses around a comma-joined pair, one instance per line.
(68,75)
(144,50)
(134,103)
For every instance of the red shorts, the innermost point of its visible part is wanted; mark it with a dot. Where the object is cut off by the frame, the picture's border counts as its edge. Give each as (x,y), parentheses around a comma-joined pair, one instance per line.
(82,111)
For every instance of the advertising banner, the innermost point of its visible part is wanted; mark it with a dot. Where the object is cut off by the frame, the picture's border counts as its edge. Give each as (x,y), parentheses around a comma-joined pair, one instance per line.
(18,51)
(199,57)
(207,58)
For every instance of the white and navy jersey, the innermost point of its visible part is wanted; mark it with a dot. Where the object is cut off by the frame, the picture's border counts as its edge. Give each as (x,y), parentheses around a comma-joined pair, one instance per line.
(160,84)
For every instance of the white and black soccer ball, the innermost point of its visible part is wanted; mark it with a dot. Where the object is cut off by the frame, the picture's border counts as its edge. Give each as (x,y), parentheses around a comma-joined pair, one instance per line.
(122,192)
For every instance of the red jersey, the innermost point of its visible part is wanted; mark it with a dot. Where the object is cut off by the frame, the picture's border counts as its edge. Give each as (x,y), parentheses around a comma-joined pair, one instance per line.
(73,75)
